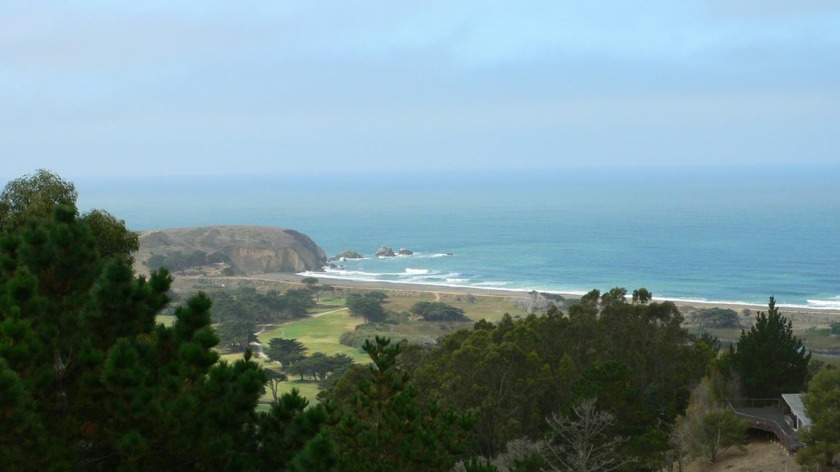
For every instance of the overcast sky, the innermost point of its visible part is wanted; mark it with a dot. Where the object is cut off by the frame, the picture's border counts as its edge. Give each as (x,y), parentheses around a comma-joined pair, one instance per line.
(92,88)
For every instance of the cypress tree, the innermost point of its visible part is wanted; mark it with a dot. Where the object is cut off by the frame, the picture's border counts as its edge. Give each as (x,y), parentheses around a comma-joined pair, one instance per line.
(769,359)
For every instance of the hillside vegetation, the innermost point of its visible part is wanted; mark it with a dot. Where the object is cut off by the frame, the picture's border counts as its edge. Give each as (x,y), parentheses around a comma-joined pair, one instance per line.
(229,250)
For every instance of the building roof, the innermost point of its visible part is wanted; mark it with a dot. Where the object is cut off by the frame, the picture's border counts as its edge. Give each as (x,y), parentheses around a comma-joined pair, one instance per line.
(794,401)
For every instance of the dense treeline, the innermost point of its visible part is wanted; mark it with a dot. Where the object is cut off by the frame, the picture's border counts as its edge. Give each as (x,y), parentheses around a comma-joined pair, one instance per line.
(90,381)
(635,359)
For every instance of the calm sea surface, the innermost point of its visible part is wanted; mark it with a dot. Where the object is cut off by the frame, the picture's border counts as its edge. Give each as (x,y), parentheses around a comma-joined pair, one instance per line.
(701,234)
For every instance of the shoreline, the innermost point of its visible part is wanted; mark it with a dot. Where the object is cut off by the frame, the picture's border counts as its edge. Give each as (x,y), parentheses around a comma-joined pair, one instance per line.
(509,293)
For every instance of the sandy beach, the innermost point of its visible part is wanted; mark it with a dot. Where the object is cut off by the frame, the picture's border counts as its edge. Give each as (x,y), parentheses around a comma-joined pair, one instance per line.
(797,315)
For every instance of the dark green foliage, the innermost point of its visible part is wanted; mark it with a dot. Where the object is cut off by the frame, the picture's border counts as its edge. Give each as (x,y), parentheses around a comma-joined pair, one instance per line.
(822,403)
(642,296)
(319,365)
(34,196)
(22,434)
(285,351)
(385,428)
(291,439)
(722,429)
(438,311)
(236,334)
(358,338)
(258,307)
(835,328)
(112,237)
(89,381)
(178,261)
(710,341)
(768,358)
(511,375)
(718,318)
(367,306)
(635,357)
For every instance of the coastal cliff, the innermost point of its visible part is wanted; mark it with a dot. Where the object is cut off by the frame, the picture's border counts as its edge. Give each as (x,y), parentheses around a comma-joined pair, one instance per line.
(243,250)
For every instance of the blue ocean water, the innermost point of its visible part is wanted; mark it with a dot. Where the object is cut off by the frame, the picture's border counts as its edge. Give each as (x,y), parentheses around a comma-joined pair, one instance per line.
(706,234)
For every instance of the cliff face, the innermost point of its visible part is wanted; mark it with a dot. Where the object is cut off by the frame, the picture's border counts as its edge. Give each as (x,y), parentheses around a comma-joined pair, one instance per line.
(296,255)
(249,250)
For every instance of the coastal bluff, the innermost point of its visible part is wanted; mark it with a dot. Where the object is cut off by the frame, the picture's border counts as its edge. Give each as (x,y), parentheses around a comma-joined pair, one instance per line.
(240,250)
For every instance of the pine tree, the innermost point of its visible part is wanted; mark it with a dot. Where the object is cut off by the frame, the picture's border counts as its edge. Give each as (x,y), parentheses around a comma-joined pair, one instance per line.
(822,403)
(768,358)
(89,381)
(384,428)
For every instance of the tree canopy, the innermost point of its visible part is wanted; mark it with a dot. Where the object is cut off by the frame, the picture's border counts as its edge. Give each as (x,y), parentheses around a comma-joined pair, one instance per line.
(95,377)
(285,351)
(34,195)
(367,306)
(768,358)
(822,403)
(636,359)
(438,311)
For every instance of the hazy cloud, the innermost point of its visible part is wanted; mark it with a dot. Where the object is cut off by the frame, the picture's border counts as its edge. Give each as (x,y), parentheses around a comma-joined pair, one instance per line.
(104,87)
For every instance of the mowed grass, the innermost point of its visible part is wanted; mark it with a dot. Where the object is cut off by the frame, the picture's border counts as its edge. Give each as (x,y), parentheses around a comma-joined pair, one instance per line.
(481,307)
(308,388)
(319,332)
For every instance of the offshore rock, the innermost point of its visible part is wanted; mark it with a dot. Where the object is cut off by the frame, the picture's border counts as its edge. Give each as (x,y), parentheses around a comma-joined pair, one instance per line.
(385,251)
(348,255)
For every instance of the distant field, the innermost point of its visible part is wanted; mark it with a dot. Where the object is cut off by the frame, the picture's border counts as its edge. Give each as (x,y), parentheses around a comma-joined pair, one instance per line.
(318,333)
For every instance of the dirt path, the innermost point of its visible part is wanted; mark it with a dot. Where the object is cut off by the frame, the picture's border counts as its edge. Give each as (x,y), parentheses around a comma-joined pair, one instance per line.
(328,312)
(760,456)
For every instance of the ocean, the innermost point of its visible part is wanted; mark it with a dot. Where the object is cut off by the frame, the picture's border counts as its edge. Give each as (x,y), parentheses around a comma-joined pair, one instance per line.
(734,235)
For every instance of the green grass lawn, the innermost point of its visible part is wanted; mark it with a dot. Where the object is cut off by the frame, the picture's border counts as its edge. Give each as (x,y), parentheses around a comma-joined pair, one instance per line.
(490,308)
(318,333)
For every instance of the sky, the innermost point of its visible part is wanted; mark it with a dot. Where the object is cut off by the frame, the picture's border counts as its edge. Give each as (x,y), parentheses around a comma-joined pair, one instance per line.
(104,89)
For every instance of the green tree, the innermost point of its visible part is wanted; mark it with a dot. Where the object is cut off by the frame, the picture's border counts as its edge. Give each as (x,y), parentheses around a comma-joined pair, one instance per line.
(275,379)
(720,429)
(112,237)
(642,295)
(709,426)
(310,282)
(367,306)
(34,195)
(511,374)
(320,365)
(285,351)
(636,358)
(93,378)
(237,333)
(437,311)
(822,403)
(768,358)
(292,438)
(384,427)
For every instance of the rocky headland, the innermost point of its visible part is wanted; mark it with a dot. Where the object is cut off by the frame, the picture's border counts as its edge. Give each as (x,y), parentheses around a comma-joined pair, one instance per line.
(241,250)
